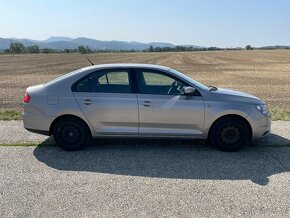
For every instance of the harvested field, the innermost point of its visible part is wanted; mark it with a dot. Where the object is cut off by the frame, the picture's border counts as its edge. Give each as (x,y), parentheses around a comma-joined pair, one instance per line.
(265,74)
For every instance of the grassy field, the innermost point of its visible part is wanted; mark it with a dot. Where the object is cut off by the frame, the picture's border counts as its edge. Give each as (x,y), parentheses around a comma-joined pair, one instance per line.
(265,74)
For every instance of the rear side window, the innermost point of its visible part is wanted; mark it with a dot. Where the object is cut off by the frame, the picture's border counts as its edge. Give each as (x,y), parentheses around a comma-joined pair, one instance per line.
(105,81)
(83,85)
(114,78)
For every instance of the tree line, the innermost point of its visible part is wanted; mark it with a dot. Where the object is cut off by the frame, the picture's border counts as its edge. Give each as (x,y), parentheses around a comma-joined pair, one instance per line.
(179,48)
(19,48)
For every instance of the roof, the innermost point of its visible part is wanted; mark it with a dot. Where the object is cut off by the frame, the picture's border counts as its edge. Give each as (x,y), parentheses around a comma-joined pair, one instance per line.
(126,65)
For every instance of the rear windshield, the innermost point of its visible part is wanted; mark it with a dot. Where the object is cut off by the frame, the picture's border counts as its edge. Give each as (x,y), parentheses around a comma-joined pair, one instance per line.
(63,77)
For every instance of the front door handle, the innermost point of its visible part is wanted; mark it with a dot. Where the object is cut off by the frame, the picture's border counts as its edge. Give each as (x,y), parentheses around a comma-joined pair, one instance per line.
(146,104)
(88,101)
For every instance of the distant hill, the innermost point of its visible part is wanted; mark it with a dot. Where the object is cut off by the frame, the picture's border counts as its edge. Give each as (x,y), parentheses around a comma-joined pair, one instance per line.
(60,43)
(58,39)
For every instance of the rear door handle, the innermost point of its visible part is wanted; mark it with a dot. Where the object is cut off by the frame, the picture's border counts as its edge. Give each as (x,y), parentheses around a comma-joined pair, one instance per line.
(146,104)
(87,101)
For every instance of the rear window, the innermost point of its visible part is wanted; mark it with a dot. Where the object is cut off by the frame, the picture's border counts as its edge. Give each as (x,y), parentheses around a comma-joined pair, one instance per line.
(63,77)
(83,85)
(105,81)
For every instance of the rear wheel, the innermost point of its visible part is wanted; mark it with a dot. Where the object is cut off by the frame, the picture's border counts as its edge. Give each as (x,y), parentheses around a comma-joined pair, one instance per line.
(229,134)
(71,134)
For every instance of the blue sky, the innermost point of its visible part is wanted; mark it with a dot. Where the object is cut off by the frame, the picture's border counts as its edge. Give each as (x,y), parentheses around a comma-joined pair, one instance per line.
(224,23)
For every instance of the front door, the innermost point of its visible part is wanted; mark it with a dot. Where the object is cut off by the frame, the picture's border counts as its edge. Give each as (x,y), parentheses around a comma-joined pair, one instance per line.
(164,109)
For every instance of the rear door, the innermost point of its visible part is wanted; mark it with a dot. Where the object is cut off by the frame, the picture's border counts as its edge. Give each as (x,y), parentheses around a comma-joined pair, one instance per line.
(164,109)
(107,100)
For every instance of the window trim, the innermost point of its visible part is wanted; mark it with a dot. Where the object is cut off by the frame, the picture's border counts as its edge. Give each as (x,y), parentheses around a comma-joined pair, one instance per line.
(133,80)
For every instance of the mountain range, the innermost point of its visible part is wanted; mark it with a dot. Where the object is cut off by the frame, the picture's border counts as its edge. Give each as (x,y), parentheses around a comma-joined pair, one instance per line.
(60,43)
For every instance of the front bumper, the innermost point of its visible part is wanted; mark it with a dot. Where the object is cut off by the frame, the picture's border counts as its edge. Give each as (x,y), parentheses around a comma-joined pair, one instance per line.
(261,124)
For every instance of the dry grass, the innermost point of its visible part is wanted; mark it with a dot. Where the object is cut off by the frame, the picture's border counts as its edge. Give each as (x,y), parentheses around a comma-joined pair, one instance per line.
(265,74)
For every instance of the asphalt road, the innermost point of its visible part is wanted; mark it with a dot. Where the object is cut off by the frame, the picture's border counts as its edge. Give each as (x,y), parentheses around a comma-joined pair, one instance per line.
(148,179)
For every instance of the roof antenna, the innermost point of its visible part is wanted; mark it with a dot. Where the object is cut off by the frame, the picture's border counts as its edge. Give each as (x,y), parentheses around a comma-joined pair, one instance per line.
(156,61)
(89,60)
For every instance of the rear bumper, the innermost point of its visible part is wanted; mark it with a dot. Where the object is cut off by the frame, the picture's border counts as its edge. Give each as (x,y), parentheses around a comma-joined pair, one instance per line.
(37,123)
(42,132)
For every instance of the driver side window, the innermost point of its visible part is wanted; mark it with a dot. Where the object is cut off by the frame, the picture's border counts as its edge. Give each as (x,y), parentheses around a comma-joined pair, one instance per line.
(153,82)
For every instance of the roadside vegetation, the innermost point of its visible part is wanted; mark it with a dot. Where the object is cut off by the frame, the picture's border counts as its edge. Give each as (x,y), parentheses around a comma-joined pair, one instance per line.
(10,115)
(279,114)
(29,145)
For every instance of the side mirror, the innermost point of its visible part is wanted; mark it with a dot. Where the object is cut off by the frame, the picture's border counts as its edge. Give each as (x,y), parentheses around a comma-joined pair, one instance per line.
(189,90)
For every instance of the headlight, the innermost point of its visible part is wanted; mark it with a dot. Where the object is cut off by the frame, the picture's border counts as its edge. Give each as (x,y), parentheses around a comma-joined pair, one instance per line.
(262,108)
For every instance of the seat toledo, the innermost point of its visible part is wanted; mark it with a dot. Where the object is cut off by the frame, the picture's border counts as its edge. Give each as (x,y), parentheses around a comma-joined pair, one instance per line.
(141,101)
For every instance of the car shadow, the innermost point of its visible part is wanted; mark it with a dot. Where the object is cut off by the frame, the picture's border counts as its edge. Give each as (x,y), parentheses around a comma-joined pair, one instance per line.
(177,159)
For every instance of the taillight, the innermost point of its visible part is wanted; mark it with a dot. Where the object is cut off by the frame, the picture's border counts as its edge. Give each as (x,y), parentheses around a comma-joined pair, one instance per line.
(26,98)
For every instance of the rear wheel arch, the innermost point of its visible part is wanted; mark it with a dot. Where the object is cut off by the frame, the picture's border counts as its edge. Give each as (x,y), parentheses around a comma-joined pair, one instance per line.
(232,116)
(66,116)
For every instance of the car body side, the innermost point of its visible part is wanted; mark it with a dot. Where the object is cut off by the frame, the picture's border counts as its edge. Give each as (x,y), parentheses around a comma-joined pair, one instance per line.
(55,99)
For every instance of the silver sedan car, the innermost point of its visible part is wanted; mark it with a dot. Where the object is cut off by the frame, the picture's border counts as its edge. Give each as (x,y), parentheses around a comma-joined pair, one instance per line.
(141,101)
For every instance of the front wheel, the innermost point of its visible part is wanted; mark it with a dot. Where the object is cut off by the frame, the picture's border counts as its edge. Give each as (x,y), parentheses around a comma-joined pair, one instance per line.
(229,134)
(71,134)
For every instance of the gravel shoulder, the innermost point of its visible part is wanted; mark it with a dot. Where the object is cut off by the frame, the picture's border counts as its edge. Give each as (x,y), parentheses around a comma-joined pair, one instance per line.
(13,132)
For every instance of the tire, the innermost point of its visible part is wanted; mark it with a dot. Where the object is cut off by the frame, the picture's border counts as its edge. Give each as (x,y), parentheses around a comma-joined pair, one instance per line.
(71,134)
(229,134)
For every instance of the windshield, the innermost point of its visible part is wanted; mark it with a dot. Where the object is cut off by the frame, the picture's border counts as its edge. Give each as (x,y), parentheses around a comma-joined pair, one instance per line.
(196,83)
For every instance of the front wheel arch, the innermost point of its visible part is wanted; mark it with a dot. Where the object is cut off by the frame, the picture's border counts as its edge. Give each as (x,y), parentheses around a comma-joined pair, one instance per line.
(232,116)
